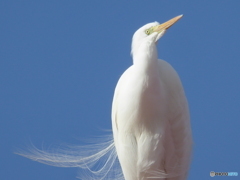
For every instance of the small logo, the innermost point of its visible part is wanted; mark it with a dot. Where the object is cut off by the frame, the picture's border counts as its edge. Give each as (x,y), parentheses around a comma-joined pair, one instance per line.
(212,173)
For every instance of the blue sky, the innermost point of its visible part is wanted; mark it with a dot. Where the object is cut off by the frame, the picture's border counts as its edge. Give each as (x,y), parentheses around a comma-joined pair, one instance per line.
(60,62)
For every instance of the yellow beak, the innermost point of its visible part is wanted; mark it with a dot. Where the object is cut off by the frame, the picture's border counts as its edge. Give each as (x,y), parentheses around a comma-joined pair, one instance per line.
(167,24)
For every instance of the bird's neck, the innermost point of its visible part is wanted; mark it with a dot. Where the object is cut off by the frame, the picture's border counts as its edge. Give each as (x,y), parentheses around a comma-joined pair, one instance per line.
(145,57)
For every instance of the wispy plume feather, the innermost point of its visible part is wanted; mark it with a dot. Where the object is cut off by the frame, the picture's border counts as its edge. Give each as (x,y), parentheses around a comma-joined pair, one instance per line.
(96,160)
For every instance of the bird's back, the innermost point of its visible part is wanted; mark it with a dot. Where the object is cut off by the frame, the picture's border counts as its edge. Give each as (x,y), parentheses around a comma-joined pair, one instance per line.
(151,125)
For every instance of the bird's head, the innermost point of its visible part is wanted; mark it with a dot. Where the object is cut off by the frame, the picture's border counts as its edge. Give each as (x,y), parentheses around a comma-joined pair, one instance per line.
(151,32)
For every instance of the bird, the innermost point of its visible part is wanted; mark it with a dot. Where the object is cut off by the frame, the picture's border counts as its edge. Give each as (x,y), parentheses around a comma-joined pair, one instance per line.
(152,137)
(150,115)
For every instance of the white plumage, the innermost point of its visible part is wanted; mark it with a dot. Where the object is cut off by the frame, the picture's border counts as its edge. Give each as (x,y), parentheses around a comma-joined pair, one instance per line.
(150,121)
(150,115)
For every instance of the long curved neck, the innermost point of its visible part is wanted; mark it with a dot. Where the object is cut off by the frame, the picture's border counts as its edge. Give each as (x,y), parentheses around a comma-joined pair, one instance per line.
(145,56)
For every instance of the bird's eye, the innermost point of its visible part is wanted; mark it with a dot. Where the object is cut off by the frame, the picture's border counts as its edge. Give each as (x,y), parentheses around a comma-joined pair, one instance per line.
(147,31)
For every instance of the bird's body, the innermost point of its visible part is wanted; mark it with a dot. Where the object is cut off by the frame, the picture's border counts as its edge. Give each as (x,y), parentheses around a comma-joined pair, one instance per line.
(151,133)
(150,121)
(150,117)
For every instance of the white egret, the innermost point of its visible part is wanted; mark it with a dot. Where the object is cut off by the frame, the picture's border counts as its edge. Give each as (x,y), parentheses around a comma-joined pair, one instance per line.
(150,121)
(150,117)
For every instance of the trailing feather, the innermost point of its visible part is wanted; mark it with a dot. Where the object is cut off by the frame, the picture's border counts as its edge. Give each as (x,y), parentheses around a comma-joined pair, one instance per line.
(95,160)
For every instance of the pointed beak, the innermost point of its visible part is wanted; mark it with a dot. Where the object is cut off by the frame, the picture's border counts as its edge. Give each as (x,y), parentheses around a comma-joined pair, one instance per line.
(168,24)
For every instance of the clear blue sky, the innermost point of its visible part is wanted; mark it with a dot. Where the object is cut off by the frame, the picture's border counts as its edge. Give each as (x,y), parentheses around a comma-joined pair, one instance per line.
(60,62)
